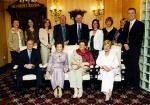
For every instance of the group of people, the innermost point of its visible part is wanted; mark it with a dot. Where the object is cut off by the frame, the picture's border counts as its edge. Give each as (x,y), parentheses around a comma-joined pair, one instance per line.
(94,48)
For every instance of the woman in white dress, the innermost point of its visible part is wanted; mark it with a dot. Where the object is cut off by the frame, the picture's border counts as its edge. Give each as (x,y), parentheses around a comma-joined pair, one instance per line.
(46,39)
(109,64)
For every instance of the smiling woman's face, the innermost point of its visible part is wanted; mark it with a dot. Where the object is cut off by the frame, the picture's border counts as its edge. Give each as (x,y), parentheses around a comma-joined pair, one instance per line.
(30,23)
(82,46)
(107,48)
(59,48)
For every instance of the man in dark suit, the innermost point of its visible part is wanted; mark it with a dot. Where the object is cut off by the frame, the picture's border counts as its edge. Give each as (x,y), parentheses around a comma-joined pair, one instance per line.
(79,31)
(29,64)
(61,31)
(133,35)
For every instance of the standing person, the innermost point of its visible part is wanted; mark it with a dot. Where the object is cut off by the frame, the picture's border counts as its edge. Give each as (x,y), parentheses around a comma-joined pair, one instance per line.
(46,39)
(109,64)
(81,60)
(133,32)
(61,31)
(57,66)
(96,39)
(79,31)
(15,42)
(118,38)
(109,31)
(29,64)
(31,32)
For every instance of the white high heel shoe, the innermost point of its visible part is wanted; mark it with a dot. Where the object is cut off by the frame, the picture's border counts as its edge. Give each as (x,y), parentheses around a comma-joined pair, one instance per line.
(60,92)
(55,93)
(107,97)
(75,93)
(80,93)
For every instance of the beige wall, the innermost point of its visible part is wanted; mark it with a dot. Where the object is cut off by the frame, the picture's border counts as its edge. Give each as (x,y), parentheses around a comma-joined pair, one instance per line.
(131,3)
(115,8)
(3,44)
(68,5)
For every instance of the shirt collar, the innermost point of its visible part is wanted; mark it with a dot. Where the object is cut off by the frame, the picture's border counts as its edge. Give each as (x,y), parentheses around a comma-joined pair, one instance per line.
(133,21)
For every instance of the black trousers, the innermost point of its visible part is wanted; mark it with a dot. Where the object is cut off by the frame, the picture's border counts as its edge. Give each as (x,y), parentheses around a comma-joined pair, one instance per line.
(95,54)
(132,73)
(14,57)
(22,71)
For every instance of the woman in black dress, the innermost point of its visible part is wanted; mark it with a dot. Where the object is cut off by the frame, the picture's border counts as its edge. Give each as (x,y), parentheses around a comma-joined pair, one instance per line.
(31,32)
(109,31)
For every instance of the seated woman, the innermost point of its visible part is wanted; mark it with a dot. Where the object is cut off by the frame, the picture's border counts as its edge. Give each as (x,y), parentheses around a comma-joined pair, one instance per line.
(109,64)
(80,61)
(57,65)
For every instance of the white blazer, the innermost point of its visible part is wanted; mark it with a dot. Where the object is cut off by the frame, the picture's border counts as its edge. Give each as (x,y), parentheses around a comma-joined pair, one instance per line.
(43,36)
(98,39)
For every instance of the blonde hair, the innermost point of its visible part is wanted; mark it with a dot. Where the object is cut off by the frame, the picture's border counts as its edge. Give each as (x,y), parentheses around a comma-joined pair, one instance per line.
(108,42)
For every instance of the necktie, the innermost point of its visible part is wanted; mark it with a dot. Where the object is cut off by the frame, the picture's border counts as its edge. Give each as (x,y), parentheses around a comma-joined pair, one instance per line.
(79,32)
(48,38)
(64,33)
(130,26)
(29,54)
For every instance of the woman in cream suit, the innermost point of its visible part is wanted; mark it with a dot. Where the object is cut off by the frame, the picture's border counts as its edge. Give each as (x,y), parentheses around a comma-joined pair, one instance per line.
(96,39)
(46,39)
(80,61)
(109,64)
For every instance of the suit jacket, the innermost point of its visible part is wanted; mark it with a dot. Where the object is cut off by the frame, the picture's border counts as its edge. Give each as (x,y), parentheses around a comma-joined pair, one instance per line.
(134,37)
(58,36)
(13,39)
(35,58)
(73,34)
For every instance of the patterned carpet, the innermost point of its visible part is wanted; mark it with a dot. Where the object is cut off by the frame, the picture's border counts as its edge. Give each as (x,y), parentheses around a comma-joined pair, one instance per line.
(8,95)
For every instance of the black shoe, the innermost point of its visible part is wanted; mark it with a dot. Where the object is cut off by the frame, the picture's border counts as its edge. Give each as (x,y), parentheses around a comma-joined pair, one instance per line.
(109,101)
(22,92)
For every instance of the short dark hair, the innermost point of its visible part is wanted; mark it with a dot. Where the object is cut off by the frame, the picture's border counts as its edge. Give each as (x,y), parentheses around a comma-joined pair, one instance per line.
(14,20)
(44,21)
(95,20)
(83,41)
(59,42)
(132,9)
(109,19)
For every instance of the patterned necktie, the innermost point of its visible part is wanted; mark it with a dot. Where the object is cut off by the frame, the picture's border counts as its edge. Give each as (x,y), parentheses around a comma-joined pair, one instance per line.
(79,32)
(64,33)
